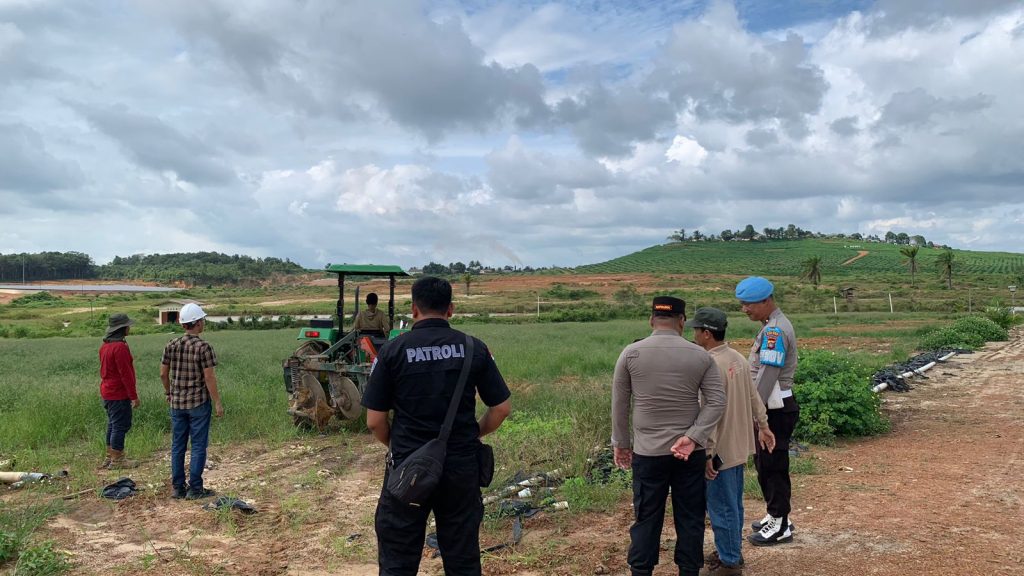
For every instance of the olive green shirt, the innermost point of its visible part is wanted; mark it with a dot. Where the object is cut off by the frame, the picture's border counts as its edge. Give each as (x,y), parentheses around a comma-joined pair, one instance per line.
(657,381)
(375,320)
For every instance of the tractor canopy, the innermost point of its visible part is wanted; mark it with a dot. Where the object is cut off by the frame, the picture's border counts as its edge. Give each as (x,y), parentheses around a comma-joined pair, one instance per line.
(366,270)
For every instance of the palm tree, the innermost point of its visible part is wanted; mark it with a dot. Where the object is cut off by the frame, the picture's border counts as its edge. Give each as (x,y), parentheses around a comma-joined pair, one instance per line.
(911,253)
(467,279)
(945,263)
(812,270)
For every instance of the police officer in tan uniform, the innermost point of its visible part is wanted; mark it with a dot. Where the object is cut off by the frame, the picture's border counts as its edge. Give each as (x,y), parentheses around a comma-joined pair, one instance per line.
(773,360)
(658,381)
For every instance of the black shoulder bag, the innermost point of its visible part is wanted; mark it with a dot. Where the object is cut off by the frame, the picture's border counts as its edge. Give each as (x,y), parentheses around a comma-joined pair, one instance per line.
(414,480)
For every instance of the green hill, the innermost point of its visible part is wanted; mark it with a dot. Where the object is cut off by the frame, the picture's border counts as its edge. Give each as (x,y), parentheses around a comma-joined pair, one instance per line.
(784,258)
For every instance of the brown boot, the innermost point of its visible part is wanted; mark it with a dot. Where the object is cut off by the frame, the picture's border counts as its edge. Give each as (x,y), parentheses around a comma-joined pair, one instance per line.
(119,462)
(106,460)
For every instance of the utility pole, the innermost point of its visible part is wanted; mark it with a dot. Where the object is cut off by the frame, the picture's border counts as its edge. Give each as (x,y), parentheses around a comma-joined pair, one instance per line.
(1013,299)
(23,269)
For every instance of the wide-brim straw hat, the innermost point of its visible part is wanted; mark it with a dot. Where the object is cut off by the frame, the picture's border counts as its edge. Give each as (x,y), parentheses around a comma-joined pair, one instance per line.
(118,321)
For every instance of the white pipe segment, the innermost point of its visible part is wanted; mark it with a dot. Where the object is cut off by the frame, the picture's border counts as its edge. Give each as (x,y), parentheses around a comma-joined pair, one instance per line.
(910,374)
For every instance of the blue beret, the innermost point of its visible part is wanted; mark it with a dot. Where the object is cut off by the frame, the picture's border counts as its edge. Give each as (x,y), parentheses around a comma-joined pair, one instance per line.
(754,289)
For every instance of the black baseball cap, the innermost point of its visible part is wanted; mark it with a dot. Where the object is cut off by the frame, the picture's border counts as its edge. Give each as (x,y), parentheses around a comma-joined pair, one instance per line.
(668,306)
(708,319)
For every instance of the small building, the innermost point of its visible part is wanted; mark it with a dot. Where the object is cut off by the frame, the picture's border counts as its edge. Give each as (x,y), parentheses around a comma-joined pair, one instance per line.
(847,293)
(169,310)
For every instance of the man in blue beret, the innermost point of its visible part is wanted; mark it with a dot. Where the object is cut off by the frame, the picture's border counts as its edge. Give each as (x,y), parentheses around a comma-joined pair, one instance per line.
(773,360)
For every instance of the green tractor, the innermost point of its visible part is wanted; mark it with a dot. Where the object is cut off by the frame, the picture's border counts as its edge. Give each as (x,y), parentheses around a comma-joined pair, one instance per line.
(327,374)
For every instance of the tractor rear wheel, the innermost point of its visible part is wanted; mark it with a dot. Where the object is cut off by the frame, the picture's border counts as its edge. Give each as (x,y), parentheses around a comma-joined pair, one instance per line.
(308,348)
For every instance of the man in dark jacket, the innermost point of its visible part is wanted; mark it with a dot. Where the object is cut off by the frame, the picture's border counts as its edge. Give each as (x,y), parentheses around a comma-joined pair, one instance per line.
(415,376)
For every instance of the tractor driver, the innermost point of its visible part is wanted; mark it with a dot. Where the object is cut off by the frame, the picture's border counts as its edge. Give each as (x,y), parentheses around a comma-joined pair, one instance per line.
(370,319)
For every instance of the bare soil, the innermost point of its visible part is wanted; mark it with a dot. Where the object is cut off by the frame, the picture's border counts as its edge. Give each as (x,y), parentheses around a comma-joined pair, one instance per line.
(943,493)
(860,254)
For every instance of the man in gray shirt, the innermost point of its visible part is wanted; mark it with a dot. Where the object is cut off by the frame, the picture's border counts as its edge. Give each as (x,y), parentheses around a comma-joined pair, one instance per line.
(657,381)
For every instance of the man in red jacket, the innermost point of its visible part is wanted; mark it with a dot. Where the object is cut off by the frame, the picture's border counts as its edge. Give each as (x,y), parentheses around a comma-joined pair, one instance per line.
(117,387)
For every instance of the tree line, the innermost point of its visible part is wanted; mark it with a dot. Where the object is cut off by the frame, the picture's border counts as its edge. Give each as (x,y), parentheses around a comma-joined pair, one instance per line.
(474,267)
(191,267)
(44,266)
(793,232)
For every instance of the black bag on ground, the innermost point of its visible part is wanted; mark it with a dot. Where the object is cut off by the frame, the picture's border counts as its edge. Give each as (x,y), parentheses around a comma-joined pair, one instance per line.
(414,480)
(485,461)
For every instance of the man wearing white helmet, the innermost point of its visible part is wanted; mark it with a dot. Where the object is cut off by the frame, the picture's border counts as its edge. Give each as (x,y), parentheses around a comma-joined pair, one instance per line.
(190,386)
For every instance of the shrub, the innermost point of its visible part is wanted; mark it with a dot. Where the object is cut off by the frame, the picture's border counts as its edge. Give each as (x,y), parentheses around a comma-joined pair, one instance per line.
(562,293)
(835,399)
(816,365)
(584,496)
(41,560)
(1001,316)
(945,338)
(982,326)
(8,546)
(37,299)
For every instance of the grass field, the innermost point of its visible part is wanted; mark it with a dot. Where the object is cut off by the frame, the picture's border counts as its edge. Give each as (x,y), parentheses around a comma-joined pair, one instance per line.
(783,258)
(51,415)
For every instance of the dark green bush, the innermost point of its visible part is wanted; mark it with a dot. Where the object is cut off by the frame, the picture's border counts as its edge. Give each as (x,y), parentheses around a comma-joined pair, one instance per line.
(1001,316)
(982,326)
(835,398)
(8,546)
(37,300)
(951,338)
(560,292)
(816,365)
(42,560)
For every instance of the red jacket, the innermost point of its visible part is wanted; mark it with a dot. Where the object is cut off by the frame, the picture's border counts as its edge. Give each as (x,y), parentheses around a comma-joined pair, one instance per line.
(117,372)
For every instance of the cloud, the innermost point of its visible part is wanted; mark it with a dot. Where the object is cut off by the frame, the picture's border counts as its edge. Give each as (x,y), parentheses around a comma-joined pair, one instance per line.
(516,172)
(715,69)
(26,165)
(526,132)
(916,108)
(154,144)
(610,121)
(845,126)
(391,58)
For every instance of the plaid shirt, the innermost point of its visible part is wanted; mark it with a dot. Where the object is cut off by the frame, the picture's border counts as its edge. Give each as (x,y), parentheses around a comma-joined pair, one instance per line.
(188,356)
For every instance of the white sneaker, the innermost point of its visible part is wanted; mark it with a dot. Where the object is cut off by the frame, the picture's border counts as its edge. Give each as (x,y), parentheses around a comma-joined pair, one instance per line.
(756,526)
(772,532)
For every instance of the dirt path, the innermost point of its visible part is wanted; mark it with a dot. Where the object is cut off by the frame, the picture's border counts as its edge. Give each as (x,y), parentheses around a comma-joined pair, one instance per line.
(860,254)
(941,494)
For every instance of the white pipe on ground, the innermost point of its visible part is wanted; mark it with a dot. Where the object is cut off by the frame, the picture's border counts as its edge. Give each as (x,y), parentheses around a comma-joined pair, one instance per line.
(911,373)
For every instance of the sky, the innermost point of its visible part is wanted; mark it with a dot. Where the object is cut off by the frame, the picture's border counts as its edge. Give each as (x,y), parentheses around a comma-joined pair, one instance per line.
(513,133)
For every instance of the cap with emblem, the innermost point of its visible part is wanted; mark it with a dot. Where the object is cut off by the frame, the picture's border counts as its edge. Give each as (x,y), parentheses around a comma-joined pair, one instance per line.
(668,306)
(709,319)
(754,289)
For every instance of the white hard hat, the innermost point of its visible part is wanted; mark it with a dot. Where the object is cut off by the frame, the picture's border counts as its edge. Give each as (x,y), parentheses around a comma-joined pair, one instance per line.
(190,313)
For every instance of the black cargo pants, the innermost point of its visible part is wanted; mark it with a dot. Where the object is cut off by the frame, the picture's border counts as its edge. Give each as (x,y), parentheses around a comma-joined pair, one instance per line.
(458,510)
(773,468)
(654,477)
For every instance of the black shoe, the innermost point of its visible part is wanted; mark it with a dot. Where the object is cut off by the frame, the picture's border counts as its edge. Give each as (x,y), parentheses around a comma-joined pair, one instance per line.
(774,531)
(756,526)
(179,492)
(199,494)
